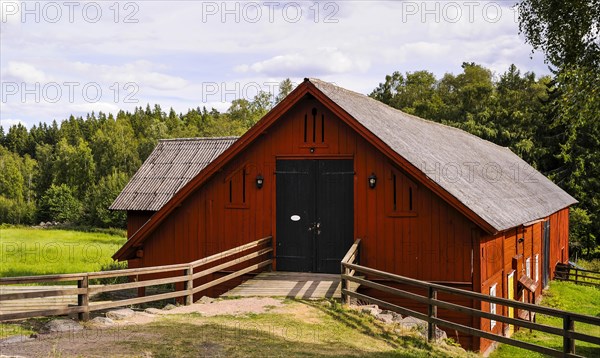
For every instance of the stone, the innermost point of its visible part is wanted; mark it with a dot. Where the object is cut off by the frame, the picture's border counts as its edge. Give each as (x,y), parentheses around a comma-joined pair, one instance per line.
(385,318)
(119,314)
(206,300)
(440,334)
(153,310)
(102,321)
(326,304)
(62,325)
(420,326)
(16,339)
(373,310)
(169,307)
(144,314)
(396,317)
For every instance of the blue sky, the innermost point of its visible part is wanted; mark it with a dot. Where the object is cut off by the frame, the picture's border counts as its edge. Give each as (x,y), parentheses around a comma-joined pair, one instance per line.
(60,58)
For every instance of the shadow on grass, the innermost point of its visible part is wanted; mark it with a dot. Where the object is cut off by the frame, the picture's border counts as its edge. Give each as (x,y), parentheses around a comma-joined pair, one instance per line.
(250,339)
(367,325)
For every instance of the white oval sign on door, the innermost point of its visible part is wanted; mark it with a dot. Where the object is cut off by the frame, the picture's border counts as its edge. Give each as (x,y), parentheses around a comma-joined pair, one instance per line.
(295,217)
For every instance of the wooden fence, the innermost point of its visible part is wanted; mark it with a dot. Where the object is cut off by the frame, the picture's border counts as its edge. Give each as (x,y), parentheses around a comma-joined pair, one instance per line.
(431,301)
(351,257)
(185,273)
(565,272)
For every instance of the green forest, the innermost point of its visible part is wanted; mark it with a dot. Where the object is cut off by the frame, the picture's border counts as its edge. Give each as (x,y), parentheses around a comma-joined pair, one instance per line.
(71,171)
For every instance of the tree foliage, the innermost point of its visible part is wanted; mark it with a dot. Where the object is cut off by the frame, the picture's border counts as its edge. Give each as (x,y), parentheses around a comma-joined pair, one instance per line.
(568,33)
(73,170)
(60,203)
(505,110)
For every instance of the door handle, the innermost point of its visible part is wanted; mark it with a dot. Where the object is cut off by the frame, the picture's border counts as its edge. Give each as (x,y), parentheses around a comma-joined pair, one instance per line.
(316,226)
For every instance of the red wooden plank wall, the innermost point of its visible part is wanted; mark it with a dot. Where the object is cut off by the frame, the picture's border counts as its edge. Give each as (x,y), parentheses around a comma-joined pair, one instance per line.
(497,252)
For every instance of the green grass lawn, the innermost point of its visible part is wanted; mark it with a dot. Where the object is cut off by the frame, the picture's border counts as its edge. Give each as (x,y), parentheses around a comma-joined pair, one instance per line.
(30,251)
(299,331)
(295,329)
(565,296)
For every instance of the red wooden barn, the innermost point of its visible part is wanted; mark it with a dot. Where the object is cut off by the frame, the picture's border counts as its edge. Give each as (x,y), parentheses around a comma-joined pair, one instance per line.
(328,165)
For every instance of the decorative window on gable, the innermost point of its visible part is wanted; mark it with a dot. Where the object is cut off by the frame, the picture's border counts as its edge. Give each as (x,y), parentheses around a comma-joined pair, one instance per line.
(236,189)
(313,129)
(401,194)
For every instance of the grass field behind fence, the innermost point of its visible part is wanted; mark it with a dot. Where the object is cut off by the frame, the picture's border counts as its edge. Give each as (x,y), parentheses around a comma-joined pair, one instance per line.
(565,296)
(31,251)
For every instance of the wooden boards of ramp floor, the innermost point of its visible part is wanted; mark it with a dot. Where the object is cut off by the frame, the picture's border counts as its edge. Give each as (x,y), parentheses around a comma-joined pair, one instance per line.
(301,285)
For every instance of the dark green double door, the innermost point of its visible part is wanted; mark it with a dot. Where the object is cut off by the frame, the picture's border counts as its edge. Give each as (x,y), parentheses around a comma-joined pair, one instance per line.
(315,213)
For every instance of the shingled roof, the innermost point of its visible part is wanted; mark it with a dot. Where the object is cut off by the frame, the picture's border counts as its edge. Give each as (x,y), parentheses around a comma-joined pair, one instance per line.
(171,165)
(490,180)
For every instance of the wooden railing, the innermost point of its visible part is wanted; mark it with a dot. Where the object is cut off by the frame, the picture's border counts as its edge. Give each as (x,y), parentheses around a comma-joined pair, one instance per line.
(431,301)
(186,273)
(565,272)
(351,257)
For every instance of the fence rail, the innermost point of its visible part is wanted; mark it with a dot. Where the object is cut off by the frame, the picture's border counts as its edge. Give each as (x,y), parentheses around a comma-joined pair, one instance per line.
(184,273)
(565,272)
(432,302)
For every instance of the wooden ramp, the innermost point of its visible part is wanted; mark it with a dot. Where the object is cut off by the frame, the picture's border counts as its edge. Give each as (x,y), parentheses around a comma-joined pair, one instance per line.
(300,285)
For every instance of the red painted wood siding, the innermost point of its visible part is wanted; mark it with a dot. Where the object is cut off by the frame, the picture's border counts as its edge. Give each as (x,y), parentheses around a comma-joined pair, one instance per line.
(496,253)
(135,220)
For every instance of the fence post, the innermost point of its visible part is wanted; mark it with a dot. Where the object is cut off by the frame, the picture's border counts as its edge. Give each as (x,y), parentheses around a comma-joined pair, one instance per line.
(83,299)
(576,275)
(432,313)
(568,343)
(344,284)
(189,285)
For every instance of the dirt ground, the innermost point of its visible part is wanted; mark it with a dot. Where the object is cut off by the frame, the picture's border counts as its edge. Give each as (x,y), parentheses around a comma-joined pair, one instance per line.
(106,342)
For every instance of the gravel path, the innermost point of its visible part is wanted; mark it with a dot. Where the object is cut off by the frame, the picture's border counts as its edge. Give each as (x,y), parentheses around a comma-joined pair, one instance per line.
(101,342)
(230,307)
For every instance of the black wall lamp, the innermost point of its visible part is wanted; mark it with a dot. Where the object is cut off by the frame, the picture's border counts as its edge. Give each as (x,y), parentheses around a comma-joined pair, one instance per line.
(372,181)
(259,181)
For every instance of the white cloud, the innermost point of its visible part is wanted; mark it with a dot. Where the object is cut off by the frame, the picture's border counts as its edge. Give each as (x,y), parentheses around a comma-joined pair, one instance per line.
(143,73)
(105,107)
(9,122)
(22,71)
(318,62)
